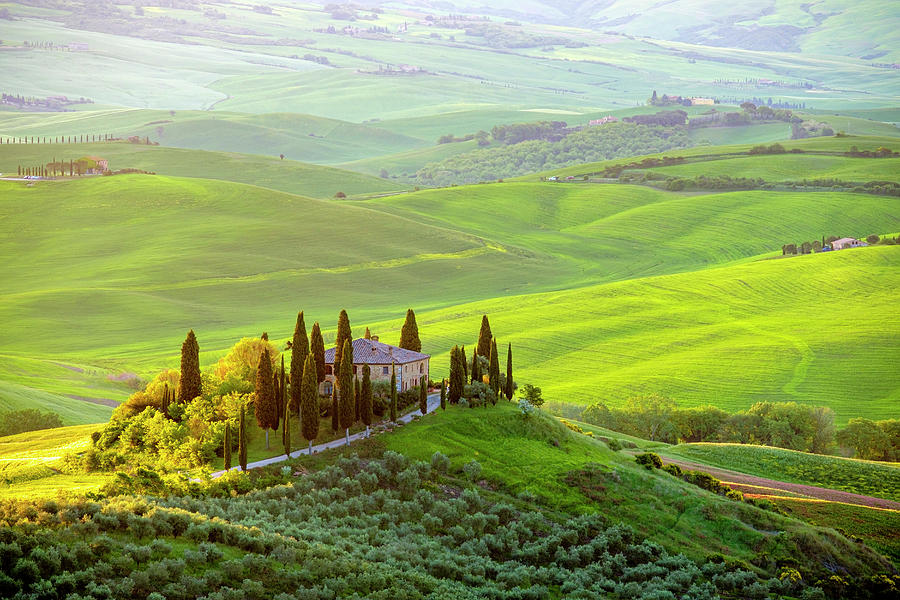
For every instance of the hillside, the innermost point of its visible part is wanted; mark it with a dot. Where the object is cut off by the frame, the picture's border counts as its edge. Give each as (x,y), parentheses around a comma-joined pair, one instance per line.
(270,172)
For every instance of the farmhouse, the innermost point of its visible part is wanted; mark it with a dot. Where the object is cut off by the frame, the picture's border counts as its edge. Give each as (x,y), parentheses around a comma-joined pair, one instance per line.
(847,243)
(410,366)
(102,165)
(702,101)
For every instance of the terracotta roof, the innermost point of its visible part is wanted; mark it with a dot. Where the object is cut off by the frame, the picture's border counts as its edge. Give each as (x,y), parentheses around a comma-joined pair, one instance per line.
(370,352)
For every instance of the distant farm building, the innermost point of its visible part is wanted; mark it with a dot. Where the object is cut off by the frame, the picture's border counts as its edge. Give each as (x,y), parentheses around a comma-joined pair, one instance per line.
(96,165)
(409,366)
(78,47)
(847,243)
(702,101)
(603,121)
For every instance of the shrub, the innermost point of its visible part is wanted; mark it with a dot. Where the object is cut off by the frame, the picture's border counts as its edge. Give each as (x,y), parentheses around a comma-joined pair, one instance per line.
(440,464)
(650,460)
(614,445)
(472,470)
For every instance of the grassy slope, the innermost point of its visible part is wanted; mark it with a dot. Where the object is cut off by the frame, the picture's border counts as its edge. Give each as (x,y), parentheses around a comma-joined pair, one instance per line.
(860,477)
(536,454)
(788,167)
(287,175)
(300,137)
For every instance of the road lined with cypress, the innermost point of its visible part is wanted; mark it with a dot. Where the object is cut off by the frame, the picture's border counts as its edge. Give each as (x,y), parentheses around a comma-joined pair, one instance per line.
(434,401)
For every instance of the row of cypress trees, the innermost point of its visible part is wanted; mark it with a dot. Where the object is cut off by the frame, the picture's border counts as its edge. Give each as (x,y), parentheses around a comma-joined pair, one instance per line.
(486,347)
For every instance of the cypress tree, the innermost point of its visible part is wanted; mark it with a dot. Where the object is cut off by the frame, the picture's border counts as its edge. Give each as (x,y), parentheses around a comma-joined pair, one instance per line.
(299,350)
(242,443)
(276,395)
(190,369)
(494,372)
(393,394)
(309,401)
(343,334)
(165,401)
(443,394)
(347,390)
(476,368)
(368,335)
(286,427)
(266,409)
(509,378)
(464,363)
(357,410)
(423,396)
(455,390)
(226,449)
(335,409)
(317,349)
(366,398)
(484,338)
(409,334)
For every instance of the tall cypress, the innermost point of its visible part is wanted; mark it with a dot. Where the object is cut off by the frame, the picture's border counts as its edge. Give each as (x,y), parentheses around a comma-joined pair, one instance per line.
(366,398)
(457,379)
(368,335)
(226,449)
(409,334)
(164,408)
(494,372)
(509,378)
(423,396)
(476,367)
(190,369)
(276,395)
(309,401)
(443,394)
(464,363)
(266,410)
(286,427)
(335,409)
(484,338)
(317,349)
(393,393)
(343,334)
(347,390)
(242,443)
(357,396)
(299,350)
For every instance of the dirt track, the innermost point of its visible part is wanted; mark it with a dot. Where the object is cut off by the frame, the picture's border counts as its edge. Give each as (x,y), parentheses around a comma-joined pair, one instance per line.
(807,491)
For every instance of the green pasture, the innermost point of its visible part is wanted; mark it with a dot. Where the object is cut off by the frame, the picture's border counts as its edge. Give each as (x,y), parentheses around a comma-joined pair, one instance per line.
(749,134)
(868,478)
(270,172)
(792,167)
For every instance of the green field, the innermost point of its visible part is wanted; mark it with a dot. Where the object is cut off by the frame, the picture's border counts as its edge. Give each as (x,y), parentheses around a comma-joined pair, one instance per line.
(270,172)
(789,167)
(857,476)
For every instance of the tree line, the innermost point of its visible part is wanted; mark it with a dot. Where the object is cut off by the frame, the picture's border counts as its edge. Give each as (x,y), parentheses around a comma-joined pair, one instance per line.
(788,425)
(60,139)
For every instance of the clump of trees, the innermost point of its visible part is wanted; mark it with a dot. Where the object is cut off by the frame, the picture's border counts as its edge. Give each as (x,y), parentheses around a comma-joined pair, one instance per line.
(479,381)
(28,419)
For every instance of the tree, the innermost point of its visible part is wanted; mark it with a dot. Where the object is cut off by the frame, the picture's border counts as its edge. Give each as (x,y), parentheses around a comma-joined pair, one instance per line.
(309,401)
(335,409)
(484,338)
(286,414)
(866,438)
(357,395)
(343,334)
(700,423)
(654,99)
(494,370)
(533,395)
(409,334)
(368,335)
(457,374)
(365,400)
(190,369)
(476,368)
(266,411)
(443,394)
(299,350)
(226,449)
(464,363)
(347,397)
(652,417)
(317,349)
(873,239)
(509,375)
(823,429)
(393,393)
(242,442)
(423,396)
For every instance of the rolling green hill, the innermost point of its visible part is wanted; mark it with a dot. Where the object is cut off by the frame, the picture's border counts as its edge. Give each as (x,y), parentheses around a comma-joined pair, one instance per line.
(270,172)
(793,167)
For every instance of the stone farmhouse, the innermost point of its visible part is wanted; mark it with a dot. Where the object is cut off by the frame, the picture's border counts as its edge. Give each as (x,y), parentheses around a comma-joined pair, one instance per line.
(847,243)
(410,366)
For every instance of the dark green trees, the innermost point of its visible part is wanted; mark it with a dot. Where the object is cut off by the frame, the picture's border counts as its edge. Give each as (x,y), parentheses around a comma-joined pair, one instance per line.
(309,401)
(299,350)
(226,448)
(494,370)
(365,400)
(393,394)
(347,390)
(284,400)
(423,396)
(484,338)
(343,334)
(509,378)
(457,374)
(476,368)
(443,394)
(190,369)
(317,349)
(335,409)
(242,442)
(266,409)
(409,335)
